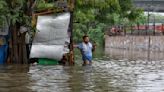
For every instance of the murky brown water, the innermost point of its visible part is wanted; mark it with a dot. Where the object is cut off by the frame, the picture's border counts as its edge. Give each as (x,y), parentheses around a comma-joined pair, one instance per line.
(104,75)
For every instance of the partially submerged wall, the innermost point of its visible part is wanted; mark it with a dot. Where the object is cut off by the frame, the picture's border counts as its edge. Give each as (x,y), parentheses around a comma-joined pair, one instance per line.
(135,47)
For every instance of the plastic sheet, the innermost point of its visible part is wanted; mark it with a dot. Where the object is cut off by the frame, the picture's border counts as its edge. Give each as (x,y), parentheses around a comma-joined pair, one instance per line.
(52,30)
(51,38)
(3,53)
(45,51)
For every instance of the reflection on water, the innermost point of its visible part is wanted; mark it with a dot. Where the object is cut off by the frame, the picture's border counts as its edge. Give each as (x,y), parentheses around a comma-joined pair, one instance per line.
(14,78)
(134,54)
(103,76)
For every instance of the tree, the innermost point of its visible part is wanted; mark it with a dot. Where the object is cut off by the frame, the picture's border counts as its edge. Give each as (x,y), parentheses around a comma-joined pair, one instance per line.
(15,12)
(92,17)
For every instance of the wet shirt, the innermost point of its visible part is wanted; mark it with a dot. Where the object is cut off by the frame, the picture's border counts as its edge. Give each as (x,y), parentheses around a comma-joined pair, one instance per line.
(86,50)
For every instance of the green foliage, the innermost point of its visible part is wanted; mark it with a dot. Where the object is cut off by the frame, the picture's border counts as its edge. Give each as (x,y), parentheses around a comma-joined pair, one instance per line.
(3,12)
(134,14)
(125,6)
(14,11)
(91,17)
(97,34)
(141,19)
(42,5)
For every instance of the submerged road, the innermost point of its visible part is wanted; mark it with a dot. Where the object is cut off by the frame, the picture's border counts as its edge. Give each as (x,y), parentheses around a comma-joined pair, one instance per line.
(105,75)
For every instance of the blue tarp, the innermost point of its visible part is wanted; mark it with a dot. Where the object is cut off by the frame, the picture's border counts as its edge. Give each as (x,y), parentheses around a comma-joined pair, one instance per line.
(4,49)
(3,53)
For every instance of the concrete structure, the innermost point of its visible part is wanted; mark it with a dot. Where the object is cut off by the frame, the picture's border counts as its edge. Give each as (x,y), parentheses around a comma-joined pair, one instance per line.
(138,47)
(150,5)
(135,47)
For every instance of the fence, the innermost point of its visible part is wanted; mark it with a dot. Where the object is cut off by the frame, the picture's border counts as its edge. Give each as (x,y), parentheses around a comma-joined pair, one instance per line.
(136,30)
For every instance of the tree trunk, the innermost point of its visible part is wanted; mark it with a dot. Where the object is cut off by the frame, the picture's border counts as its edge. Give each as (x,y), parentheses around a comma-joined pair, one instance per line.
(17,45)
(14,44)
(20,49)
(10,52)
(18,52)
(24,49)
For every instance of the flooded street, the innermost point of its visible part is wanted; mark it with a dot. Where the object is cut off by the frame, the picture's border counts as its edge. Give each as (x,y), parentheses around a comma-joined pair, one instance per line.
(125,37)
(105,75)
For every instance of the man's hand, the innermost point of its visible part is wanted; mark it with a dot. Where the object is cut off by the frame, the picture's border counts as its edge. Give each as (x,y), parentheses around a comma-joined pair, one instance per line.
(75,46)
(94,46)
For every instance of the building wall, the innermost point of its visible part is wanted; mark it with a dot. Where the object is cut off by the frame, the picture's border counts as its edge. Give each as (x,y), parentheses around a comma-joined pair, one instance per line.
(135,47)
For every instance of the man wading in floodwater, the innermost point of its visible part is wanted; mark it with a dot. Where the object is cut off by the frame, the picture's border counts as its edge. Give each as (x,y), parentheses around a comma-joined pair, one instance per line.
(86,49)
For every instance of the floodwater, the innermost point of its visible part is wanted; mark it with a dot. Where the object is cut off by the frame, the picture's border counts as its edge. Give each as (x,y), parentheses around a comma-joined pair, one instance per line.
(105,75)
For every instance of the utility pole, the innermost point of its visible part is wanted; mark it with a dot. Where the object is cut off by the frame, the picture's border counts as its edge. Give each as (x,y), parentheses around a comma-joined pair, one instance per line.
(154,18)
(147,31)
(149,39)
(148,15)
(154,26)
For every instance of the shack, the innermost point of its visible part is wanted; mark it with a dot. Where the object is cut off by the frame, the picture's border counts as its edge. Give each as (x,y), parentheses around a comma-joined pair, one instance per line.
(52,38)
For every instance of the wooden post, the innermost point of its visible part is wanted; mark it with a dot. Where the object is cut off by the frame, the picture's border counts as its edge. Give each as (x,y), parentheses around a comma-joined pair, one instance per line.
(71,58)
(71,53)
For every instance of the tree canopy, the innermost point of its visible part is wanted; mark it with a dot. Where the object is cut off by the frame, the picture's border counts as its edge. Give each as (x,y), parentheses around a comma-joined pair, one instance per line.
(91,17)
(14,11)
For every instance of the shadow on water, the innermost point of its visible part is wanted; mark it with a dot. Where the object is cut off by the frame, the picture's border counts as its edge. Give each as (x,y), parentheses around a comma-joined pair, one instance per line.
(105,75)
